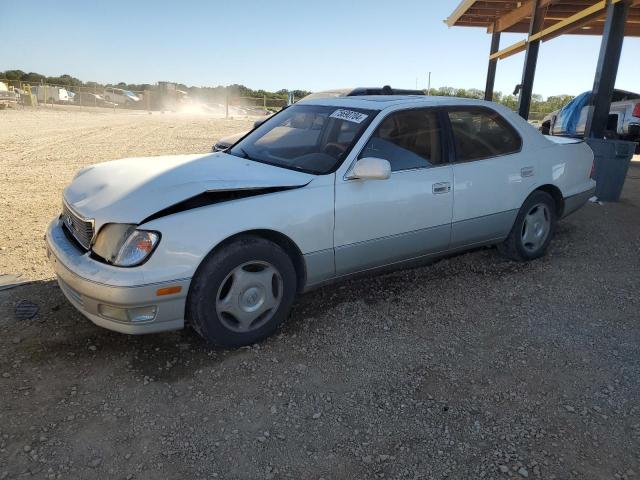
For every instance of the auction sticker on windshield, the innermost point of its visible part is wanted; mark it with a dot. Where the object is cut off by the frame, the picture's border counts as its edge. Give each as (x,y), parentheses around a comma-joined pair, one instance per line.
(349,115)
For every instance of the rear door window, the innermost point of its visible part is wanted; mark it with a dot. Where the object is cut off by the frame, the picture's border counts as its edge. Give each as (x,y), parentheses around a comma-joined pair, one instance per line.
(480,133)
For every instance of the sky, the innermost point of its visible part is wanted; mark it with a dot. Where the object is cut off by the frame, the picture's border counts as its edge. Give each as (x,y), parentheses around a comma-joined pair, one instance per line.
(285,44)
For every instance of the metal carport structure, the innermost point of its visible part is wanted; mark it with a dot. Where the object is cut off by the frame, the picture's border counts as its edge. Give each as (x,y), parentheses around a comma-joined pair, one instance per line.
(543,20)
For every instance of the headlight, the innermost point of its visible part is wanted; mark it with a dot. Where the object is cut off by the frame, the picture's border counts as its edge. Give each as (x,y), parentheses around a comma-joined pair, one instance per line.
(124,245)
(136,248)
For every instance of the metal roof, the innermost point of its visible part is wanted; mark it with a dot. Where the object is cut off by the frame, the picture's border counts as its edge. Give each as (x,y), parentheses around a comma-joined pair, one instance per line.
(585,17)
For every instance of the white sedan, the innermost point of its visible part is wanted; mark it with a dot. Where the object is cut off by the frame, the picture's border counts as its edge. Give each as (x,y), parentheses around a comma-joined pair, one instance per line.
(323,190)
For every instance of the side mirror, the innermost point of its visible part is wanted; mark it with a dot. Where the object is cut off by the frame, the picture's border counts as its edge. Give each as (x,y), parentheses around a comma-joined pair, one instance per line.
(259,122)
(371,168)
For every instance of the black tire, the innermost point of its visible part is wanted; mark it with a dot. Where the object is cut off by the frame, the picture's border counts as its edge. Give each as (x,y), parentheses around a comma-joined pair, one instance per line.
(514,247)
(201,310)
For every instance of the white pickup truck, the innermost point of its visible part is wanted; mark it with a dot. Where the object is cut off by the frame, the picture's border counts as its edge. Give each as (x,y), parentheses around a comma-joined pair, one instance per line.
(50,94)
(623,123)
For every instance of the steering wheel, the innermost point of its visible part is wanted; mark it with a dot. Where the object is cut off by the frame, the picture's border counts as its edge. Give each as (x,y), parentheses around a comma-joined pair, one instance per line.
(334,149)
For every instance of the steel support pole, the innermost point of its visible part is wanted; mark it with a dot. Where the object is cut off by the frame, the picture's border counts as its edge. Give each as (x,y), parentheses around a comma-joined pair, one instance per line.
(491,71)
(606,70)
(530,61)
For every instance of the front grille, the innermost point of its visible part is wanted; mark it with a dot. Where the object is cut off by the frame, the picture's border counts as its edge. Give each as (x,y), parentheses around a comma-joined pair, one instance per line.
(79,228)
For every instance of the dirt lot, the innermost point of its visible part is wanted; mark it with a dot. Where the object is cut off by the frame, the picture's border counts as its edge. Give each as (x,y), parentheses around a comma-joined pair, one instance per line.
(473,367)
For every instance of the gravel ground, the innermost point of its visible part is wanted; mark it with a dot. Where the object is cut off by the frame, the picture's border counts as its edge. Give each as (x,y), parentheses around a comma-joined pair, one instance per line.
(473,367)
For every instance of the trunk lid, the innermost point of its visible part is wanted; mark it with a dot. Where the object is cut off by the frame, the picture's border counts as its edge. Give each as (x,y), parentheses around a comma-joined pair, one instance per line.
(563,140)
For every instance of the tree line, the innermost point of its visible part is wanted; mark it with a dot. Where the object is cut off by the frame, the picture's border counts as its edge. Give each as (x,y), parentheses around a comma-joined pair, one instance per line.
(206,94)
(539,105)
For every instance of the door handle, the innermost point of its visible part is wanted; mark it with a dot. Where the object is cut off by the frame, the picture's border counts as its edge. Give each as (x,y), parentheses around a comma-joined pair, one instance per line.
(441,187)
(526,172)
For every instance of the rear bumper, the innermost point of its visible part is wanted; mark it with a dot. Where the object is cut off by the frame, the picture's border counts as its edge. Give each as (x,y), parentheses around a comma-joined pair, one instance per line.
(574,202)
(91,297)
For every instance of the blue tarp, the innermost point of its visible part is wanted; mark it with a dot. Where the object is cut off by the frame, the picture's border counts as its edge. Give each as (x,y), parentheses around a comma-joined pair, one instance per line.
(569,115)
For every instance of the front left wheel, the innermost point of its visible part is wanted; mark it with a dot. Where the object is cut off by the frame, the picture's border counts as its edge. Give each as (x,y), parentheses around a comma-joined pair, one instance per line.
(242,292)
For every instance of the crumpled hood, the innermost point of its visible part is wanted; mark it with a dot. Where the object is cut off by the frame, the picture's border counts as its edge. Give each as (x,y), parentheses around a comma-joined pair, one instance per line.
(132,189)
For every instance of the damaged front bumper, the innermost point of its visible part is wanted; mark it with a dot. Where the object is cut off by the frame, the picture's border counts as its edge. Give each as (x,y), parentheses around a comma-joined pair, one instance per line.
(111,297)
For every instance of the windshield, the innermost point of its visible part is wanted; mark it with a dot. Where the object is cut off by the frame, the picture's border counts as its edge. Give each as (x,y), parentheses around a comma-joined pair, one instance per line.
(311,138)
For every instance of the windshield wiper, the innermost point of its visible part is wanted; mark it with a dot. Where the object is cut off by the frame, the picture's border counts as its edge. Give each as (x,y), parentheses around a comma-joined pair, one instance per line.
(244,153)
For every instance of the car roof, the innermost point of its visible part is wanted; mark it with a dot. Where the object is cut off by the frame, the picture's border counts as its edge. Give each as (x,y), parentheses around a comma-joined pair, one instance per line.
(386,90)
(380,102)
(363,91)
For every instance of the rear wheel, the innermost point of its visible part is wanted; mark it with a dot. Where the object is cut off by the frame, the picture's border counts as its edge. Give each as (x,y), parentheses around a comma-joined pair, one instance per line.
(533,229)
(242,292)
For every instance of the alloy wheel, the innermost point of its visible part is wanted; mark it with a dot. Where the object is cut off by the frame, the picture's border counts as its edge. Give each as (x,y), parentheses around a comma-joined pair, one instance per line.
(536,227)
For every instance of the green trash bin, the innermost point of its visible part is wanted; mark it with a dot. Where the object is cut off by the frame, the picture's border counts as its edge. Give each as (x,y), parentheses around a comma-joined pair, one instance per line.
(612,159)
